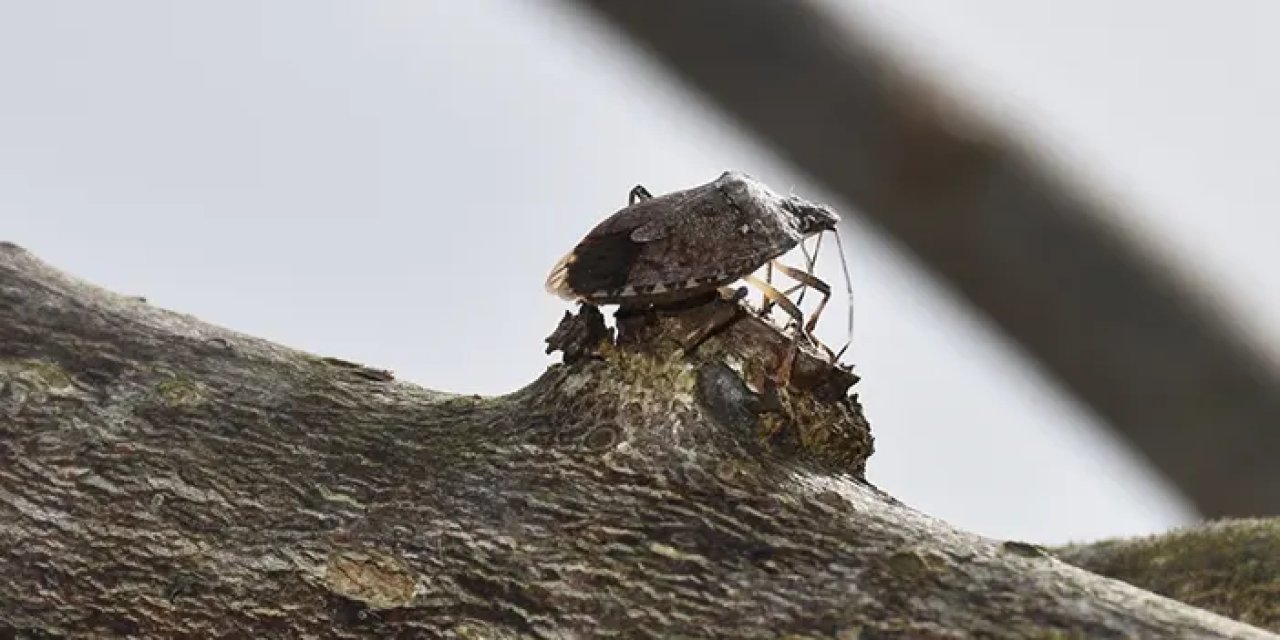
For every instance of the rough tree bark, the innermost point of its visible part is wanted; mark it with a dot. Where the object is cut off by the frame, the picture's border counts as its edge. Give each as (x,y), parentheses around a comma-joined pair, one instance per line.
(1231,567)
(160,477)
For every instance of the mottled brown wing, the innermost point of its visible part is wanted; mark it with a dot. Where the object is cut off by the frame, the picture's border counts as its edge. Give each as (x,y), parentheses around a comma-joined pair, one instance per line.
(686,241)
(602,261)
(708,241)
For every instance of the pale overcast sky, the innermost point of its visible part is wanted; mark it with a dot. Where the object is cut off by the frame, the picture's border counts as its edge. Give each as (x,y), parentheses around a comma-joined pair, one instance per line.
(389,181)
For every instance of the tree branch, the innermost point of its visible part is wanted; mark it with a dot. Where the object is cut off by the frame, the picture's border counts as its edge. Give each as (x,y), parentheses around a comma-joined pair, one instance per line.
(160,477)
(1230,567)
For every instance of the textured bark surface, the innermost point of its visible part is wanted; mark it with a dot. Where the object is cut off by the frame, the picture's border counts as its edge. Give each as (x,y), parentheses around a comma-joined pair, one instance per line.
(160,477)
(1231,567)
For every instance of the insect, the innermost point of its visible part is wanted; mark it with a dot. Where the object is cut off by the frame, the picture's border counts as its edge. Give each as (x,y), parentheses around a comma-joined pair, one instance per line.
(687,244)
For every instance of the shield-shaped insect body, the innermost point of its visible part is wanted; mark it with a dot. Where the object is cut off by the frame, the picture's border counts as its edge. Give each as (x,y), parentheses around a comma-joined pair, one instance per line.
(677,246)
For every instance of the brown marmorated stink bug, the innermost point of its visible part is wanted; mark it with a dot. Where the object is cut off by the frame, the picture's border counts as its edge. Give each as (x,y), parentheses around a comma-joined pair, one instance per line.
(687,244)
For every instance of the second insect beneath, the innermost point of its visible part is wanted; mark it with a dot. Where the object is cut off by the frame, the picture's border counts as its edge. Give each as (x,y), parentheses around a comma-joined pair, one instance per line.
(679,247)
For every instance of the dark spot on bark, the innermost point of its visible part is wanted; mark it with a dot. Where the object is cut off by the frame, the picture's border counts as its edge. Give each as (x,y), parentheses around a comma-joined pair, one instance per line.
(726,397)
(26,633)
(183,585)
(760,553)
(98,371)
(347,612)
(684,540)
(13,294)
(1024,549)
(831,499)
(493,591)
(631,411)
(602,438)
(768,504)
(115,623)
(222,344)
(536,422)
(360,371)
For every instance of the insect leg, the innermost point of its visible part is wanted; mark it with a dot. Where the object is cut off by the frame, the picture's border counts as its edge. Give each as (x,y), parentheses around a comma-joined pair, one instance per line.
(776,297)
(766,305)
(773,295)
(810,280)
(809,262)
(718,320)
(637,194)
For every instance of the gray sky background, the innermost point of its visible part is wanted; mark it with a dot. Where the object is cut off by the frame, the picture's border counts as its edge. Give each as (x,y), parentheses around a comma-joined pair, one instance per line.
(389,181)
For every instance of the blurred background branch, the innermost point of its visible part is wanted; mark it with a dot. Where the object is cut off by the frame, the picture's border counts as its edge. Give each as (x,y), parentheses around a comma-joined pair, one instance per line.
(1230,567)
(989,217)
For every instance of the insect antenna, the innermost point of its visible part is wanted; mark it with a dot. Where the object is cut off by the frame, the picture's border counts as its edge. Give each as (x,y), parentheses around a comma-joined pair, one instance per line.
(848,290)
